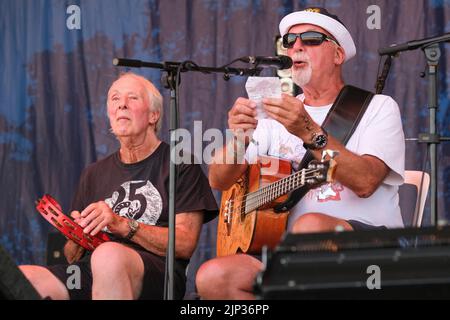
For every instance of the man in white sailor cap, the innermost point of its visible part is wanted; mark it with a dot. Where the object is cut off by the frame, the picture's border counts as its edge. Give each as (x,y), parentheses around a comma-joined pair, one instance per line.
(370,166)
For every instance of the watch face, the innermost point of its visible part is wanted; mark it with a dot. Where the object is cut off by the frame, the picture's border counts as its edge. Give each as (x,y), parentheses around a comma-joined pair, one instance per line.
(321,141)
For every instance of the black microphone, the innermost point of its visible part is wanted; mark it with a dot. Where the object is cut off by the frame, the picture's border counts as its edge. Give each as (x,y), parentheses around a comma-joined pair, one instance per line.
(411,45)
(120,62)
(132,63)
(281,62)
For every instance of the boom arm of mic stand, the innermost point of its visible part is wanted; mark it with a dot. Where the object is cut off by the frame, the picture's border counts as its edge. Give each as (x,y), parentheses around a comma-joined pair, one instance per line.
(186,66)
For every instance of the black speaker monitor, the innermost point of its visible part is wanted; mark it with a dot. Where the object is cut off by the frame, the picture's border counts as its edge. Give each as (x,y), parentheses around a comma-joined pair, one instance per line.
(391,264)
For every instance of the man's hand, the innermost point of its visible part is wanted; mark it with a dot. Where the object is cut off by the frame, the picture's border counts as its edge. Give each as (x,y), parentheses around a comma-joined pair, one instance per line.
(291,113)
(241,118)
(72,251)
(98,215)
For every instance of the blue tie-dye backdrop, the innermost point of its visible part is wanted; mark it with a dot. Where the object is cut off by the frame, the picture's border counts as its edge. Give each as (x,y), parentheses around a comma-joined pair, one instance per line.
(53,83)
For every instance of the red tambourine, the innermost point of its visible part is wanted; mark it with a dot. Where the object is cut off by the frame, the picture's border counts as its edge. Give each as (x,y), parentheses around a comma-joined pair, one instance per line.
(52,212)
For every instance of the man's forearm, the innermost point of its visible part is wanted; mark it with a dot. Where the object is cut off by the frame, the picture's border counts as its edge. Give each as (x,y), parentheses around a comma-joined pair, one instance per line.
(228,165)
(155,239)
(362,174)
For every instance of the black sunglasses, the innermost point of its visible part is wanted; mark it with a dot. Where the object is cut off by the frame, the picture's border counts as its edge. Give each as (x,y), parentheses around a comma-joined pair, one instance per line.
(309,38)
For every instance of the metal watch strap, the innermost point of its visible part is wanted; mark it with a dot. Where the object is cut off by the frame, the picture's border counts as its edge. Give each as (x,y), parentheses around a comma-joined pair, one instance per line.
(133,229)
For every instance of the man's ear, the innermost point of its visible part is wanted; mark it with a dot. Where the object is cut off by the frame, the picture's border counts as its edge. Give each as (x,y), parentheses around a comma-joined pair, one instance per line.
(339,56)
(153,117)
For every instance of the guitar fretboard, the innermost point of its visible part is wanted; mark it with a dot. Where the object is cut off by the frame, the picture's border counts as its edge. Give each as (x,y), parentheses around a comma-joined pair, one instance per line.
(265,195)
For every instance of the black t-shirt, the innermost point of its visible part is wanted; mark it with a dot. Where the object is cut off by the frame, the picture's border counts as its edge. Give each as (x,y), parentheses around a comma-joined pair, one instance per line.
(139,190)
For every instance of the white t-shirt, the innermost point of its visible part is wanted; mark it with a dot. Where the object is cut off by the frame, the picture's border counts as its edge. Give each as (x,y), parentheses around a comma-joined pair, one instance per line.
(379,134)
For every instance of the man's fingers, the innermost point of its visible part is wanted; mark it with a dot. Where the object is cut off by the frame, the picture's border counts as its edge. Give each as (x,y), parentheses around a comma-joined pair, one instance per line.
(243,119)
(92,215)
(242,110)
(245,102)
(273,101)
(91,226)
(98,228)
(75,214)
(276,110)
(286,102)
(242,128)
(89,209)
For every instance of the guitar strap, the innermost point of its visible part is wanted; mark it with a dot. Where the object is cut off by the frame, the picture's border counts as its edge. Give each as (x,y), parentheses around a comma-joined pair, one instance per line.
(341,121)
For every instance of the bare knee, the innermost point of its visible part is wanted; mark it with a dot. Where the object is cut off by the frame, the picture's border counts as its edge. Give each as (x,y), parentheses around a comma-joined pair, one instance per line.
(45,282)
(109,257)
(309,222)
(211,274)
(117,272)
(32,273)
(229,277)
(318,222)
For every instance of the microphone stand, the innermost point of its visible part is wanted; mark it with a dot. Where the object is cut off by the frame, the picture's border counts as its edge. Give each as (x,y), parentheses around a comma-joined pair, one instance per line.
(172,81)
(430,46)
(433,54)
(381,80)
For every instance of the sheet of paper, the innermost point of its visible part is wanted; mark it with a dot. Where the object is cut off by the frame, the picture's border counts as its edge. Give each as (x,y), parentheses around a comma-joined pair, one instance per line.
(262,87)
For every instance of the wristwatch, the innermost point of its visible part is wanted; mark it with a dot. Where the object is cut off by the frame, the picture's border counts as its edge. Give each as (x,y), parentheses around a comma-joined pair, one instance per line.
(134,226)
(319,140)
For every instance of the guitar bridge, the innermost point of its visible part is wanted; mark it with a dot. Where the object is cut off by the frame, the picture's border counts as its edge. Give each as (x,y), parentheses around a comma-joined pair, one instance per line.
(228,211)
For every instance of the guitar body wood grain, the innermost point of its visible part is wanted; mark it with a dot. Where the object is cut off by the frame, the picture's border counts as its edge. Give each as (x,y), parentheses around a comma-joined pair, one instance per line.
(238,232)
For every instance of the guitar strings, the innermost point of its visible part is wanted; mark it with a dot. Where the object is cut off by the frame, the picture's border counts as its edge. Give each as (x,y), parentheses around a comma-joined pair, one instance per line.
(280,183)
(255,199)
(261,197)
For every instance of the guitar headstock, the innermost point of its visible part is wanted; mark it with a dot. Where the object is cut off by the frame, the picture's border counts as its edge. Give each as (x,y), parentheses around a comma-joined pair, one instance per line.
(319,172)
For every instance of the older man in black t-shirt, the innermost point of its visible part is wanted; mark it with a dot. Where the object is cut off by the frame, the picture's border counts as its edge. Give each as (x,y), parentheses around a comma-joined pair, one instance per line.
(127,194)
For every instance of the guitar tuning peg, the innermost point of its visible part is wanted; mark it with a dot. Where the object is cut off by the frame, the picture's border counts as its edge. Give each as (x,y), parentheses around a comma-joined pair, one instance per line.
(330,153)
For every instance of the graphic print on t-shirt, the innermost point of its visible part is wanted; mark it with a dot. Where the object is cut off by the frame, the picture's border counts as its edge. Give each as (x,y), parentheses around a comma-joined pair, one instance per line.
(286,151)
(326,192)
(138,200)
